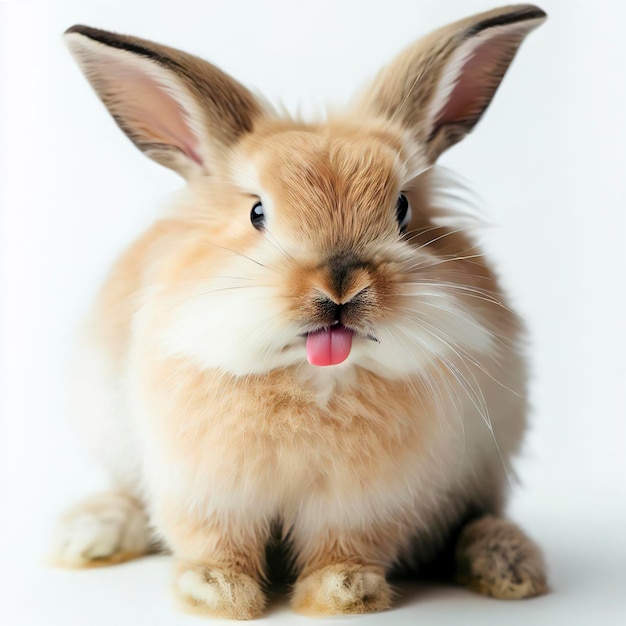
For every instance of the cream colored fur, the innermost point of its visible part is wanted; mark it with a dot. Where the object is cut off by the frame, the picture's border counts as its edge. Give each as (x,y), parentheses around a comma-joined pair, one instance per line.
(102,530)
(196,394)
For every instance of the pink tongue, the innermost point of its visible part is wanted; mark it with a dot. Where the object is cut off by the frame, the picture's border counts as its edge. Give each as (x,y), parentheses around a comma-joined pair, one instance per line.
(329,346)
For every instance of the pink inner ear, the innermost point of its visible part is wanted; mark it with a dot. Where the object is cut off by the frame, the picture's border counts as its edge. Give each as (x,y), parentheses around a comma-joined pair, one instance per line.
(148,111)
(478,80)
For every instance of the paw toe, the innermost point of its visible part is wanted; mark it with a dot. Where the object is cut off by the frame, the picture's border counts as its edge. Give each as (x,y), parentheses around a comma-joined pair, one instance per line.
(220,593)
(102,530)
(342,589)
(495,558)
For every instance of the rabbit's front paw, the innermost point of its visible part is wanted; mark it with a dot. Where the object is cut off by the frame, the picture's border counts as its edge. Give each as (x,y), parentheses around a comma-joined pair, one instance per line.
(342,588)
(220,592)
(104,529)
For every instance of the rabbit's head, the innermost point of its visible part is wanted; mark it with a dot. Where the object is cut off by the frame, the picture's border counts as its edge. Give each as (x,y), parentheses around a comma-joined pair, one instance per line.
(315,243)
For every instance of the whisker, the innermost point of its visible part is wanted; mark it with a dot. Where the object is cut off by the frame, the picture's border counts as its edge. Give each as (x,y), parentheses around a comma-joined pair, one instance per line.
(447,234)
(276,244)
(211,291)
(418,232)
(411,176)
(486,418)
(479,402)
(471,292)
(474,323)
(447,259)
(469,358)
(213,245)
(206,293)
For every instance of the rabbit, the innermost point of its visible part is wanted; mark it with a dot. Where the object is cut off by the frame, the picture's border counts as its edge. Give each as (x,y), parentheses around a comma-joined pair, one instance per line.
(306,350)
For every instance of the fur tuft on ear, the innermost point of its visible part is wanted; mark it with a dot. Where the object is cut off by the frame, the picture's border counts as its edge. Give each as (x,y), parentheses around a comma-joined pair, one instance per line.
(439,87)
(178,109)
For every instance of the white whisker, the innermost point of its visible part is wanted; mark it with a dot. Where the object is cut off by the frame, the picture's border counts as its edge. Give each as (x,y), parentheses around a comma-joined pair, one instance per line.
(442,287)
(212,245)
(476,397)
(276,243)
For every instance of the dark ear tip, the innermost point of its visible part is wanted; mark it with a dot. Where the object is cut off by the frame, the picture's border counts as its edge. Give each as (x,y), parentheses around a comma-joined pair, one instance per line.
(525,13)
(512,15)
(96,34)
(78,28)
(534,12)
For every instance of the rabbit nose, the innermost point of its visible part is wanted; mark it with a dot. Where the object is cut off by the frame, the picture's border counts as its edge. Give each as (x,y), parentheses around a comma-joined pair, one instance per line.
(330,313)
(332,309)
(347,276)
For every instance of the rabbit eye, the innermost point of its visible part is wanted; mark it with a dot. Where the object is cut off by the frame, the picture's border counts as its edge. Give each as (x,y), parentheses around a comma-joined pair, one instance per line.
(257,216)
(403,212)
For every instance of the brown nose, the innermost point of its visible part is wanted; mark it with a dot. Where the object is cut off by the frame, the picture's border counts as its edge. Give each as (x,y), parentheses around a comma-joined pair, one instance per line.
(347,276)
(328,312)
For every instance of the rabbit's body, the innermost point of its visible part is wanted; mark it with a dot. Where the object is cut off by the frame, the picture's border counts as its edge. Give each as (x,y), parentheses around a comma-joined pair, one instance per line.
(200,401)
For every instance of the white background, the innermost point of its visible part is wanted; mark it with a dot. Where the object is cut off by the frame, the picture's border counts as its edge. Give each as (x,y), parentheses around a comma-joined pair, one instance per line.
(548,161)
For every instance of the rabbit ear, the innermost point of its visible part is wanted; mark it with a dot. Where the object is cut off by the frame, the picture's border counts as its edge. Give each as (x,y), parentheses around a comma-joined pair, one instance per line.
(178,109)
(440,87)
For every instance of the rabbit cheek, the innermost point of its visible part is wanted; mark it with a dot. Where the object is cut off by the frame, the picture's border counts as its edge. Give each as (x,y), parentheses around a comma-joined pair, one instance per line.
(236,330)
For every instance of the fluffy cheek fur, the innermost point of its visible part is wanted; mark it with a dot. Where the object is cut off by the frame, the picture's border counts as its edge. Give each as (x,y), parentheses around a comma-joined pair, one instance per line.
(239,302)
(235,325)
(241,322)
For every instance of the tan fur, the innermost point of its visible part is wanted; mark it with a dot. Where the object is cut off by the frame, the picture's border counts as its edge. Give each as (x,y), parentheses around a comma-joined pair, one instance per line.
(495,558)
(394,95)
(229,432)
(105,529)
(220,592)
(342,588)
(226,109)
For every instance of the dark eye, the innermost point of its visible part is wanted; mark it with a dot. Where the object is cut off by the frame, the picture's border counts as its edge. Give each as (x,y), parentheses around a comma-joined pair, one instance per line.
(403,212)
(257,216)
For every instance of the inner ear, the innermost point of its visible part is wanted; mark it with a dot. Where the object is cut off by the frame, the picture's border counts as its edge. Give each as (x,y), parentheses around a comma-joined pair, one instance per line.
(439,87)
(474,80)
(178,109)
(151,115)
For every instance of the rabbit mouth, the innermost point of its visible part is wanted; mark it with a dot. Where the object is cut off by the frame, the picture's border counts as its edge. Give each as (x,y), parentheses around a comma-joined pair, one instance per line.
(330,345)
